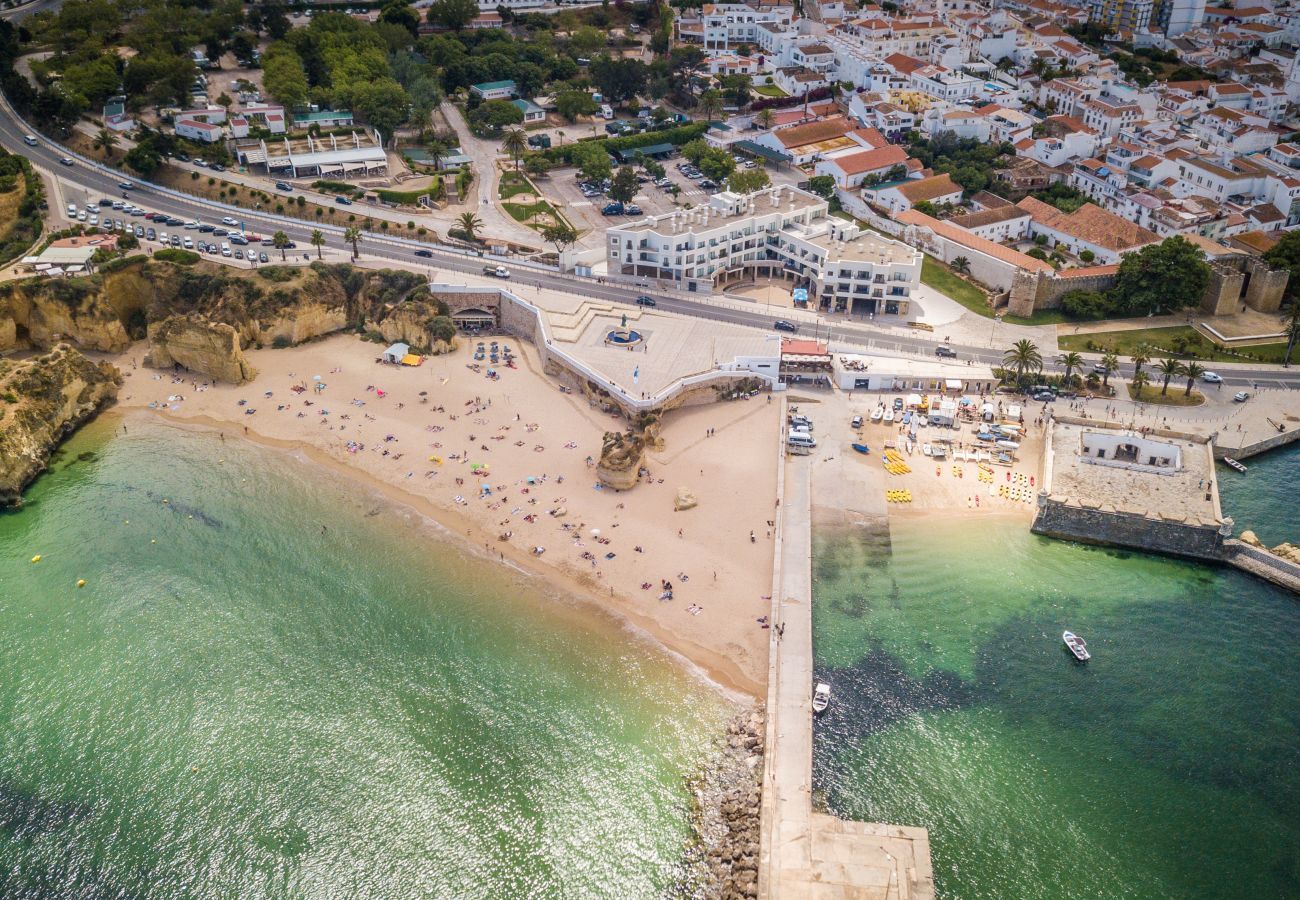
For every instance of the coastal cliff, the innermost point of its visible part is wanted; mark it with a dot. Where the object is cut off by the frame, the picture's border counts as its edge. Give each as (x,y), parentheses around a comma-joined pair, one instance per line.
(42,400)
(178,308)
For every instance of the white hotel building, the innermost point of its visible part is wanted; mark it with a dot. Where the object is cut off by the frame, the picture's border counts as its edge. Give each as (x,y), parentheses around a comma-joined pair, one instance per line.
(779,232)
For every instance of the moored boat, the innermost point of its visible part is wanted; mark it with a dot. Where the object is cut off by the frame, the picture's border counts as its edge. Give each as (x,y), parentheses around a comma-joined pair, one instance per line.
(821,697)
(1076,645)
(862,448)
(889,416)
(1229,461)
(877,414)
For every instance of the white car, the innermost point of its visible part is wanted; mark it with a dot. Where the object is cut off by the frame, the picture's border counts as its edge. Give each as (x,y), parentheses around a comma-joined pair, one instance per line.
(229,221)
(72,209)
(1212,378)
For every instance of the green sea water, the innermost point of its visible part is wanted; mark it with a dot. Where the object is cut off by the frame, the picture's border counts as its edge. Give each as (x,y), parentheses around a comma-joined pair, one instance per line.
(253,706)
(1167,767)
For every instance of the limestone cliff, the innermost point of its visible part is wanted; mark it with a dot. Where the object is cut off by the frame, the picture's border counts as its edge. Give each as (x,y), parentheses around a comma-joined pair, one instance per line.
(621,456)
(208,348)
(42,313)
(423,324)
(42,399)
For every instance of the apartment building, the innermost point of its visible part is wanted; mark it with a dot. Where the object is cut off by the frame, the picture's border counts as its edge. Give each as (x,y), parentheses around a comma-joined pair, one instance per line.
(778,230)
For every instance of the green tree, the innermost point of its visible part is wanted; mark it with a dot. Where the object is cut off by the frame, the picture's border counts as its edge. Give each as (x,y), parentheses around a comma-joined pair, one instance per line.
(442,328)
(352,235)
(746,181)
(488,119)
(1071,362)
(561,235)
(619,80)
(515,142)
(1285,254)
(470,224)
(1086,304)
(452,14)
(317,241)
(1141,356)
(1138,382)
(398,12)
(624,185)
(383,104)
(961,264)
(143,159)
(1169,369)
(572,104)
(280,241)
(1162,278)
(536,165)
(1023,357)
(105,140)
(1192,371)
(710,104)
(592,161)
(1087,256)
(764,120)
(586,40)
(1110,365)
(821,185)
(283,76)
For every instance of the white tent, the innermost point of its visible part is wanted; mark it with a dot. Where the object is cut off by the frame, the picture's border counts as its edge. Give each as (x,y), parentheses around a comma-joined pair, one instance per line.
(396,353)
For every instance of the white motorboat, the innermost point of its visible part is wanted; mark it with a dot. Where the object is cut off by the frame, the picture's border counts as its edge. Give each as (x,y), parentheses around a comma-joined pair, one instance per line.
(925,448)
(889,416)
(876,414)
(821,697)
(1077,646)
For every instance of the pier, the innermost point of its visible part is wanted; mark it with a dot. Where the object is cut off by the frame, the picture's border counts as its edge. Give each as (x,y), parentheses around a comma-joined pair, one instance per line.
(805,853)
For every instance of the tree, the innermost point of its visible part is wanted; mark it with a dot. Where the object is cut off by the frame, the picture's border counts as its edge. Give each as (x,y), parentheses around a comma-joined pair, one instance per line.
(488,119)
(383,104)
(1071,362)
(561,235)
(1285,254)
(397,12)
(1141,356)
(515,142)
(572,104)
(624,185)
(586,40)
(1168,369)
(764,120)
(1087,256)
(1086,304)
(619,80)
(452,14)
(822,185)
(1023,357)
(143,159)
(1110,365)
(961,264)
(283,76)
(592,161)
(746,181)
(280,241)
(470,224)
(105,140)
(353,236)
(1138,382)
(1162,278)
(317,241)
(442,328)
(1192,371)
(536,165)
(710,104)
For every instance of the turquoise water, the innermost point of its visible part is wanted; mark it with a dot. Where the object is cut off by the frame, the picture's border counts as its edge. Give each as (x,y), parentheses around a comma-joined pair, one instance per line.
(251,707)
(1265,499)
(1165,767)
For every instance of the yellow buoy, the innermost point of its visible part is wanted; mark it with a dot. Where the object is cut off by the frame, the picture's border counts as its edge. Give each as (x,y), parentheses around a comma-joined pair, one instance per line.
(154,541)
(81,582)
(36,558)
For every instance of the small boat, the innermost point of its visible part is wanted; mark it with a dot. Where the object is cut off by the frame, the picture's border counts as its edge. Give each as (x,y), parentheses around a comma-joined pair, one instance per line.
(1229,461)
(927,450)
(862,448)
(889,416)
(876,414)
(821,697)
(1077,646)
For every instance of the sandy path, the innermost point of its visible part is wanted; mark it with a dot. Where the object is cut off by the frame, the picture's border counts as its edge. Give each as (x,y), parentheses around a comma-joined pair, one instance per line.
(522,427)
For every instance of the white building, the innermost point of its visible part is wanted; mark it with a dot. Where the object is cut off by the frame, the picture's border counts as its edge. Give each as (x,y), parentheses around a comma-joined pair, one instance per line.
(195,130)
(777,231)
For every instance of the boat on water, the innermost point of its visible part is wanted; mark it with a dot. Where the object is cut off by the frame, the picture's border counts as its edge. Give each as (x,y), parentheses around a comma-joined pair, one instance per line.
(821,697)
(862,448)
(1229,461)
(1076,645)
(889,416)
(876,414)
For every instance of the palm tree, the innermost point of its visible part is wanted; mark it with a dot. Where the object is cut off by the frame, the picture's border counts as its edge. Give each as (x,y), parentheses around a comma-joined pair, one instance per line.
(515,142)
(1191,372)
(317,241)
(961,264)
(1109,362)
(1023,357)
(1168,368)
(353,237)
(470,224)
(105,140)
(1138,382)
(1071,361)
(280,240)
(765,118)
(1141,356)
(710,104)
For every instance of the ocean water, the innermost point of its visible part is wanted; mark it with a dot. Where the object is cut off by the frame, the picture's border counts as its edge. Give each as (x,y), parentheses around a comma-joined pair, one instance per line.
(242,704)
(1166,767)
(1266,499)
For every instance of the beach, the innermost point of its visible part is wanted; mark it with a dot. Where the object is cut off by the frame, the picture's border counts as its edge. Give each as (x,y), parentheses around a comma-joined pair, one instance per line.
(508,463)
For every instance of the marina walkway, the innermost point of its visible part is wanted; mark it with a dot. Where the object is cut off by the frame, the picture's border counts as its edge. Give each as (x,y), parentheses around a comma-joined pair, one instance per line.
(806,854)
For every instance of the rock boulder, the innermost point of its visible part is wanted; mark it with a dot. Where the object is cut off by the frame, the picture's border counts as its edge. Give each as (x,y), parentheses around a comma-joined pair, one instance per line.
(206,348)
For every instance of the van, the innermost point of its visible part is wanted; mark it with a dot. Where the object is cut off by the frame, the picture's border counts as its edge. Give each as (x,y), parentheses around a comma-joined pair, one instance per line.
(606,111)
(801,440)
(801,422)
(29,140)
(799,429)
(225,249)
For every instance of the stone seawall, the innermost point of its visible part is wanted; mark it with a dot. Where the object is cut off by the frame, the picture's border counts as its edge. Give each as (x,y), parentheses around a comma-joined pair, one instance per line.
(1263,564)
(1248,450)
(1124,529)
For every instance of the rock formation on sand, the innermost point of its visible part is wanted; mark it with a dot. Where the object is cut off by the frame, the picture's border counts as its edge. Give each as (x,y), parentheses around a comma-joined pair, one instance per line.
(276,306)
(621,455)
(684,500)
(41,400)
(198,346)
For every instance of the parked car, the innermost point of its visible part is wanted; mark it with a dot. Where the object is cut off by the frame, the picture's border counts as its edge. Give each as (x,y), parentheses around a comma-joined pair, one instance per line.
(898,403)
(783,325)
(262,257)
(283,186)
(1212,378)
(612,209)
(496,271)
(1241,397)
(1044,396)
(643,300)
(151,234)
(200,163)
(856,423)
(72,209)
(426,254)
(216,167)
(632,209)
(945,350)
(342,201)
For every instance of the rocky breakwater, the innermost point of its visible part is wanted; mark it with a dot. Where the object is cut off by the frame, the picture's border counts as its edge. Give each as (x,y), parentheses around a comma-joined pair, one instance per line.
(197,345)
(42,400)
(725,800)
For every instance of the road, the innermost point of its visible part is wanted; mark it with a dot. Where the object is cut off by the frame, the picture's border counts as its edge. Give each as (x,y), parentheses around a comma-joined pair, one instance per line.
(18,13)
(847,336)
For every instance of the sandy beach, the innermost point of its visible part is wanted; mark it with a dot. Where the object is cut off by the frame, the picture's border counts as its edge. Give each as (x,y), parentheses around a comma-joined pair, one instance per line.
(538,445)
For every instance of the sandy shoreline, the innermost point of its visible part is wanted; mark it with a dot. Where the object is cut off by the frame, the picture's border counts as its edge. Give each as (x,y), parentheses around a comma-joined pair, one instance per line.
(523,428)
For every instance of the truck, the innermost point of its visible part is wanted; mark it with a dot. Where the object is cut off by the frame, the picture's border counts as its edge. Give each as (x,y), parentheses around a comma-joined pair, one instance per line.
(496,271)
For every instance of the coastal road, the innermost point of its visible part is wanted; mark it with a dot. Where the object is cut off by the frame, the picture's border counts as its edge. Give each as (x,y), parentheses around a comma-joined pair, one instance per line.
(18,13)
(83,180)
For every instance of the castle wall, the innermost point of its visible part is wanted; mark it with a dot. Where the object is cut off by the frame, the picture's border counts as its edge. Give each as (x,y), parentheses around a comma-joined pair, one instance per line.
(1092,525)
(1267,285)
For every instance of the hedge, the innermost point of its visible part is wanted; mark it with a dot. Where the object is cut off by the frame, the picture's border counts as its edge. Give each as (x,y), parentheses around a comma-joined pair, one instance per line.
(683,134)
(178,256)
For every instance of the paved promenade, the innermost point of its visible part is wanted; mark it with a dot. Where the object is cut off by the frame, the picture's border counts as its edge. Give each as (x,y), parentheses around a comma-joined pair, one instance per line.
(806,854)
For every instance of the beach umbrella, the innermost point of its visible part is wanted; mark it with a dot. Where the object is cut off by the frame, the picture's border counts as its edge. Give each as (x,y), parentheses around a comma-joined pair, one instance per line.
(315,378)
(595,532)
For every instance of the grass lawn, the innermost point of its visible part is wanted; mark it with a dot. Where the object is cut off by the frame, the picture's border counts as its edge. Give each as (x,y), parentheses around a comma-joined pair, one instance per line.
(512,184)
(1041,317)
(768,90)
(1175,397)
(1198,346)
(938,276)
(535,215)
